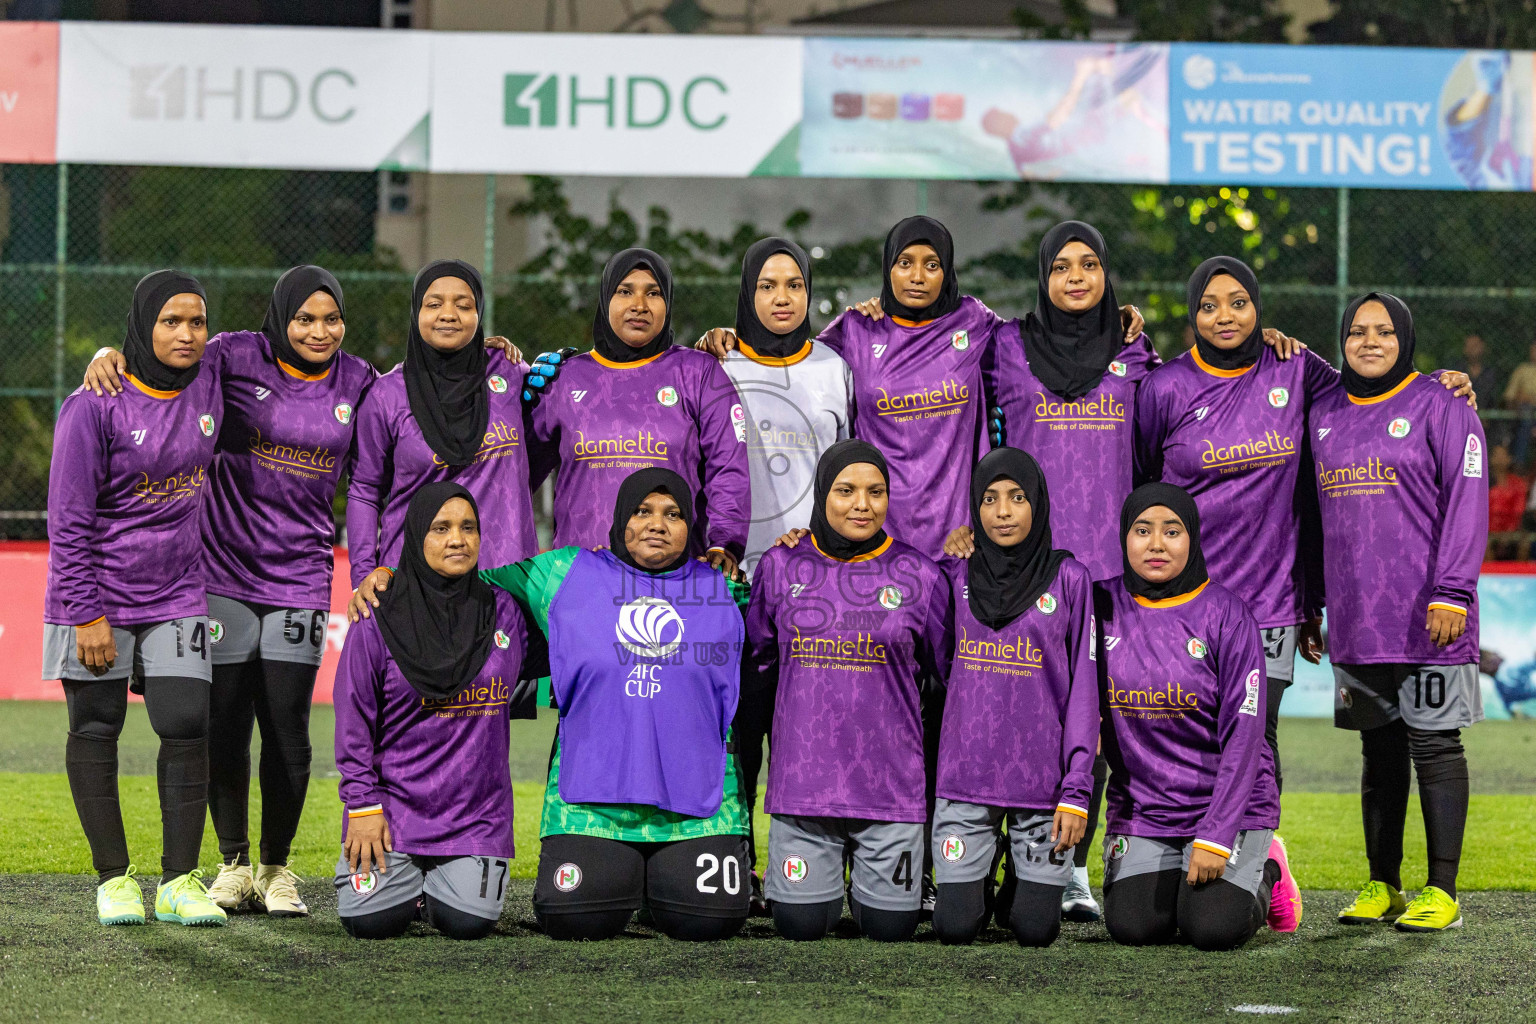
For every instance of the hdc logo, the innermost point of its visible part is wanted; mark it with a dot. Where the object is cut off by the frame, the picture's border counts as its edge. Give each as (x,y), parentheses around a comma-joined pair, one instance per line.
(161,92)
(646,102)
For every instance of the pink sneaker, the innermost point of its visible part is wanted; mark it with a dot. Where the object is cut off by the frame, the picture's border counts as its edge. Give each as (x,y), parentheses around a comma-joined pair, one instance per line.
(1285,901)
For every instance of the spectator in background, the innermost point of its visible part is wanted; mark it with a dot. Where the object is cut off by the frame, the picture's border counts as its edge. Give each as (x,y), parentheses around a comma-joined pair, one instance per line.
(1506,503)
(1474,363)
(1520,396)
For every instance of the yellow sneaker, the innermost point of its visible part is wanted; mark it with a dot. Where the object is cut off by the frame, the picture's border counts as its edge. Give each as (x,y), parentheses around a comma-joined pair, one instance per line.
(277,891)
(1378,903)
(1433,910)
(183,900)
(232,887)
(120,900)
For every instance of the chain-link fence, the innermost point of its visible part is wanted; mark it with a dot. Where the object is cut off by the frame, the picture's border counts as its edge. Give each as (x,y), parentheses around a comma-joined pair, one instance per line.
(73,241)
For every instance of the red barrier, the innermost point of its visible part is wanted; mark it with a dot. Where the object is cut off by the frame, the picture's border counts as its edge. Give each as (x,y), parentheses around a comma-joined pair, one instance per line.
(24,570)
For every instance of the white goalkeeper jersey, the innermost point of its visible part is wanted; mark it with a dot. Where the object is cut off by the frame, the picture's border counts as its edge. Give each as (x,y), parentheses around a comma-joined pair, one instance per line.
(795,408)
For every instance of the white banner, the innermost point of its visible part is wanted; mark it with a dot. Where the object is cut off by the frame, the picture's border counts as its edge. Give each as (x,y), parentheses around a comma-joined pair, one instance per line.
(615,104)
(327,99)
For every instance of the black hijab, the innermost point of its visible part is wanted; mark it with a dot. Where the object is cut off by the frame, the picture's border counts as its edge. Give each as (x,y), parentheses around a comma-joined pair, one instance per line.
(1402,322)
(1247,353)
(438,630)
(1003,582)
(834,460)
(1069,352)
(149,297)
(446,390)
(758,336)
(290,293)
(631,493)
(1176,498)
(927,231)
(605,342)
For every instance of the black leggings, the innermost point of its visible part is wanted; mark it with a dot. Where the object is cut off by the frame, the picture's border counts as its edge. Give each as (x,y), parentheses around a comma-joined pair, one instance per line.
(392,922)
(1156,907)
(1441,764)
(1033,913)
(807,922)
(276,695)
(178,712)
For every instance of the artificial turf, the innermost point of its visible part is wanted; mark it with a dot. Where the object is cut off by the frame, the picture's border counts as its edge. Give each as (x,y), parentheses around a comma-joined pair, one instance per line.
(56,963)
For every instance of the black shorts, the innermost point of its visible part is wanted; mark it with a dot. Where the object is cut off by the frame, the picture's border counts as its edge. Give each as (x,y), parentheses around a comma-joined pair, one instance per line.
(705,877)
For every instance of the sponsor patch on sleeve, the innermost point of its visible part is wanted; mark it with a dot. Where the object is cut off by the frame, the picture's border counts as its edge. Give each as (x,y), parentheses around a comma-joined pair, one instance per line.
(739,421)
(1251,700)
(1472,458)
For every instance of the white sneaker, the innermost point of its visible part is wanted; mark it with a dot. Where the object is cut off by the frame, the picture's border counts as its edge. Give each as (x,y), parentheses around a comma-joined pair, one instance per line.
(1077,902)
(277,891)
(233,886)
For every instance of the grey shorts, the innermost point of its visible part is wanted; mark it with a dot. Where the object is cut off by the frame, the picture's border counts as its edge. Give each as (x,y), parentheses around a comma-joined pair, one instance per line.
(1279,651)
(243,632)
(473,885)
(1430,697)
(965,844)
(1125,856)
(806,858)
(178,647)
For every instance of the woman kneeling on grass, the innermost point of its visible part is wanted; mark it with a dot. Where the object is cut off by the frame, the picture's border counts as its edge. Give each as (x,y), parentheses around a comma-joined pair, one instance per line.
(422,734)
(643,801)
(1190,848)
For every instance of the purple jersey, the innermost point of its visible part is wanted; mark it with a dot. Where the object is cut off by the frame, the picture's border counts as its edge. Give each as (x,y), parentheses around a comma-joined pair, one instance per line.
(646,669)
(1085,448)
(392,460)
(1021,716)
(601,421)
(438,768)
(125,489)
(1236,440)
(918,398)
(268,528)
(1182,698)
(848,644)
(1405,520)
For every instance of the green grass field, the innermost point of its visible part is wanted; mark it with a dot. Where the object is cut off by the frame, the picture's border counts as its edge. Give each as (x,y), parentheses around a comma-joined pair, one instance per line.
(56,963)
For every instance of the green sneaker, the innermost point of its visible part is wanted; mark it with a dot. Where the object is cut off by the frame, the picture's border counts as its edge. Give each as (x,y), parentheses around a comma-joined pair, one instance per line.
(1378,903)
(1432,910)
(184,901)
(120,900)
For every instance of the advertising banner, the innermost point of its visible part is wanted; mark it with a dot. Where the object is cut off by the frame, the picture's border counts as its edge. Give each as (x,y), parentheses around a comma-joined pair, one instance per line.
(24,567)
(922,108)
(1507,637)
(203,96)
(1359,116)
(29,91)
(614,104)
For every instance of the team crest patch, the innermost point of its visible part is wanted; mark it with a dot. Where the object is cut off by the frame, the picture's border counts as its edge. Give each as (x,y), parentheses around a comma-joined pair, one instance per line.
(497,383)
(667,397)
(343,413)
(215,630)
(795,869)
(1195,647)
(502,640)
(952,848)
(1279,397)
(205,424)
(567,877)
(1119,847)
(1046,604)
(364,884)
(1400,427)
(1250,704)
(1345,697)
(890,597)
(960,340)
(1117,368)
